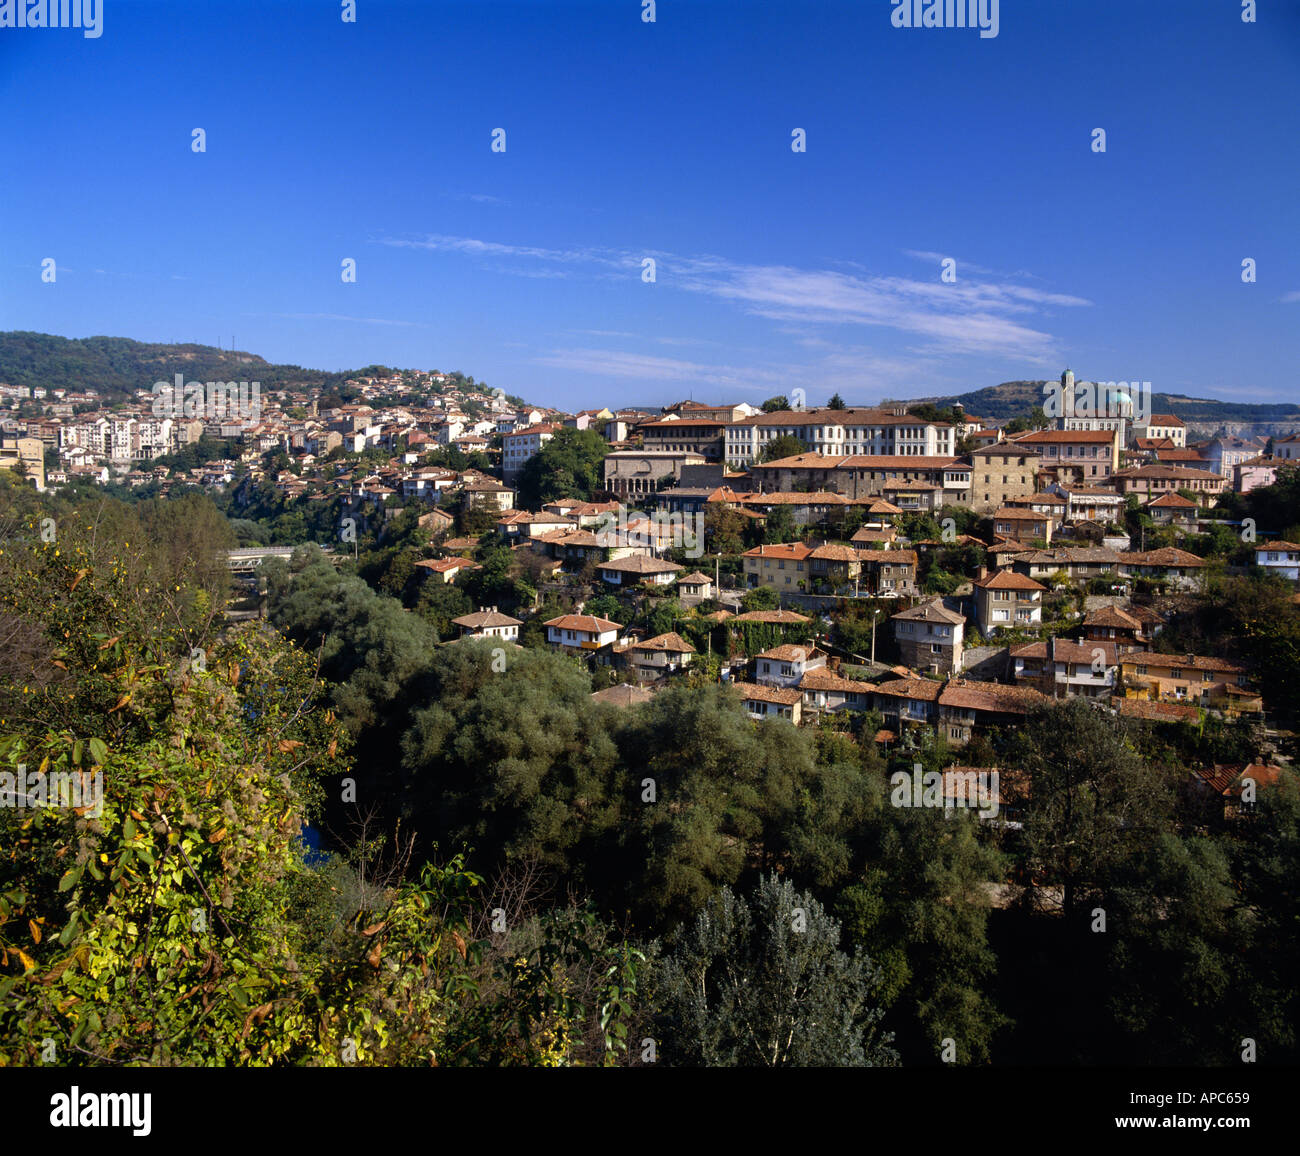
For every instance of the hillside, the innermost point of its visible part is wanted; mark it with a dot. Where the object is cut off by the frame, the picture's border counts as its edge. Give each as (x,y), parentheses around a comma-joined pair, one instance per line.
(118,366)
(1017,398)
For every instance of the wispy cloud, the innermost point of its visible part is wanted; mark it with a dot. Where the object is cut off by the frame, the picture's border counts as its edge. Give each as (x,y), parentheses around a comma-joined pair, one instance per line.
(1292,297)
(643,367)
(984,316)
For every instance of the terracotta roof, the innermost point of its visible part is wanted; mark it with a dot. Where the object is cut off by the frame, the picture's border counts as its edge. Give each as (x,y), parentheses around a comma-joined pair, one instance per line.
(623,695)
(824,680)
(1187,661)
(1008,580)
(920,689)
(789,653)
(832,552)
(483,618)
(1111,616)
(1064,650)
(929,612)
(1225,778)
(771,694)
(1068,437)
(587,622)
(1279,545)
(990,696)
(772,617)
(639,564)
(1157,711)
(1173,500)
(791,551)
(695,578)
(1165,556)
(901,557)
(443,565)
(664,643)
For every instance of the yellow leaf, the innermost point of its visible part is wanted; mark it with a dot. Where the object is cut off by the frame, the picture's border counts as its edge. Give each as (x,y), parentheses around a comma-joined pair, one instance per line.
(36,931)
(30,964)
(217,836)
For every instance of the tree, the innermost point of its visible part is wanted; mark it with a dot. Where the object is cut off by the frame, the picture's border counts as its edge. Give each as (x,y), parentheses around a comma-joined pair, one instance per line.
(764,983)
(776,404)
(570,465)
(836,402)
(786,446)
(779,525)
(1093,803)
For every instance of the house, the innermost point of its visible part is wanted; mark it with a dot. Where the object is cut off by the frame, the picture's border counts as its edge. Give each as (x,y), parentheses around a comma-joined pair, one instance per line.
(1092,504)
(521,444)
(1086,456)
(1234,787)
(964,706)
(488,622)
(487,495)
(658,655)
(1180,569)
(436,521)
(1077,563)
(1022,524)
(783,566)
(1210,681)
(1000,472)
(695,585)
(1280,558)
(583,633)
(771,701)
(930,637)
(1063,669)
(638,568)
(824,690)
(519,524)
(834,563)
(1006,600)
(1171,509)
(1112,624)
(1152,481)
(887,572)
(1256,472)
(446,569)
(786,665)
(1162,427)
(624,695)
(907,701)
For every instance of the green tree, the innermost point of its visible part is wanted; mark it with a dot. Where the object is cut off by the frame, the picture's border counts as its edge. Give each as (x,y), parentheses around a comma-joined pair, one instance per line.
(763,983)
(786,446)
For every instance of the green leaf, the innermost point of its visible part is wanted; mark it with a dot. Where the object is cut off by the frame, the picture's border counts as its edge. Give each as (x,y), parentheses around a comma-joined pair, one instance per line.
(98,751)
(76,752)
(69,929)
(128,827)
(70,877)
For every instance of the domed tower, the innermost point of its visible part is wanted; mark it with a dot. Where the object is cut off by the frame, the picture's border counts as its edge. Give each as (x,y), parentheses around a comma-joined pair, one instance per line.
(1067,393)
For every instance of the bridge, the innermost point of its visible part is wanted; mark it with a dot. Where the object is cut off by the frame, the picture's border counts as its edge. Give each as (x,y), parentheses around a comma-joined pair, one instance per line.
(248,558)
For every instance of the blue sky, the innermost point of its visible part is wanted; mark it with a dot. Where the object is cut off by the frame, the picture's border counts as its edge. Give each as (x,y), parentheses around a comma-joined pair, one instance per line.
(672,140)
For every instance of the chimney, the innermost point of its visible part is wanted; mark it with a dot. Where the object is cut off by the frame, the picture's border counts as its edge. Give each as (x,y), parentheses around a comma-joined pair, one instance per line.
(983,572)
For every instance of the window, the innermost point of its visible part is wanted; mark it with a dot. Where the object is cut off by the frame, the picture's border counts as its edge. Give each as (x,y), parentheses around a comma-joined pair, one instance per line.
(935,648)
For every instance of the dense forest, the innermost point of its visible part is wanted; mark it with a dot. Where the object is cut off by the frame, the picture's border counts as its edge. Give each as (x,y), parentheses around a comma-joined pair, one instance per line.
(499,869)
